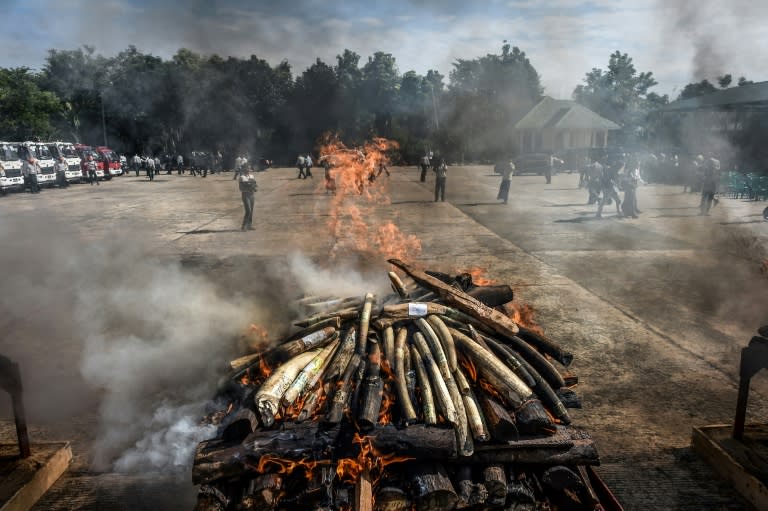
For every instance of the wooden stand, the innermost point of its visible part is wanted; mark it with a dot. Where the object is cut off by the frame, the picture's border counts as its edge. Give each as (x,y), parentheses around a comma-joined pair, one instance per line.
(740,452)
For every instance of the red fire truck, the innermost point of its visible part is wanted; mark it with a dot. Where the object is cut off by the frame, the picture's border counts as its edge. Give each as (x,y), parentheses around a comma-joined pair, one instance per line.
(109,162)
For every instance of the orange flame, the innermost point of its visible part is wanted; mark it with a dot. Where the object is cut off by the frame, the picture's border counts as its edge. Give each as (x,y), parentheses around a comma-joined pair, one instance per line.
(387,400)
(468,366)
(353,220)
(479,277)
(487,387)
(523,314)
(258,337)
(369,458)
(264,369)
(276,465)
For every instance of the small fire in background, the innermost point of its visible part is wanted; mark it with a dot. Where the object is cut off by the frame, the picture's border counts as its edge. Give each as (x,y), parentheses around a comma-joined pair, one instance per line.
(358,188)
(257,337)
(479,277)
(523,314)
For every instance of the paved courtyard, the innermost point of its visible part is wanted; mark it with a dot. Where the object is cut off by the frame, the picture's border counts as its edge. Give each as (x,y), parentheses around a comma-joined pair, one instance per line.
(655,309)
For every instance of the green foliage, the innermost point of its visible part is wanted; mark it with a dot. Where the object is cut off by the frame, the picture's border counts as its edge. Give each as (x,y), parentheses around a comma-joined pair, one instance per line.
(621,94)
(486,97)
(697,89)
(25,109)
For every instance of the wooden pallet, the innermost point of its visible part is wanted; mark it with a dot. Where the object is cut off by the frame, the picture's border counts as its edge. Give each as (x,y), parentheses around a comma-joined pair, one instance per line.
(24,481)
(744,463)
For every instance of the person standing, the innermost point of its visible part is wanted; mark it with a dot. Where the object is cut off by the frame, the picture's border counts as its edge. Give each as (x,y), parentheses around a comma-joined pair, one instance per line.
(608,188)
(136,164)
(424,167)
(60,168)
(90,167)
(247,185)
(151,168)
(179,164)
(631,179)
(709,185)
(30,170)
(158,165)
(506,171)
(308,166)
(441,169)
(300,166)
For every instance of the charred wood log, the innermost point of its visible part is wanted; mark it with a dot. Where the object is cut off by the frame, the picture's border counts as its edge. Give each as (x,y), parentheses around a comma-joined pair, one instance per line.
(532,419)
(489,317)
(372,389)
(238,425)
(469,493)
(391,498)
(495,481)
(431,488)
(500,423)
(568,397)
(216,460)
(492,296)
(262,493)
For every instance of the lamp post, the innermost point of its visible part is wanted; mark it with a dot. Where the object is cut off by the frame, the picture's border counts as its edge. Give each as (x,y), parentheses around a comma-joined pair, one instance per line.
(103,119)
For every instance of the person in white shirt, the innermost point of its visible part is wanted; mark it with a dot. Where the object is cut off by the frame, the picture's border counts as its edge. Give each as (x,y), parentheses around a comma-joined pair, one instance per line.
(247,185)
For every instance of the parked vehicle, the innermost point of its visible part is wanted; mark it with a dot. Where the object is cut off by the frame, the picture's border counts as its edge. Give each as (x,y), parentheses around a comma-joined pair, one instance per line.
(533,163)
(10,177)
(84,151)
(42,154)
(109,161)
(67,150)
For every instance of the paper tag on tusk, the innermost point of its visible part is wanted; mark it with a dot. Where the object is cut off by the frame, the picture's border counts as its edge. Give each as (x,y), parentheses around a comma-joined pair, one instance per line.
(417,309)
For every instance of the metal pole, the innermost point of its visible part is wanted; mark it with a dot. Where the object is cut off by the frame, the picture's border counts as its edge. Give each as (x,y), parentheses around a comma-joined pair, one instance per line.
(103,120)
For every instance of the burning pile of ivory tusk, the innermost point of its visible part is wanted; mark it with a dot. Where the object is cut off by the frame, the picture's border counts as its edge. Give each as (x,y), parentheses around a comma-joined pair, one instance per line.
(433,371)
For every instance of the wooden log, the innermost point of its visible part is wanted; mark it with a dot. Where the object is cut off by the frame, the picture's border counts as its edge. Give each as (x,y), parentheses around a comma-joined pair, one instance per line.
(363,493)
(238,425)
(391,498)
(347,314)
(495,481)
(470,493)
(532,419)
(262,493)
(492,296)
(546,345)
(491,318)
(431,489)
(568,397)
(500,423)
(372,389)
(211,499)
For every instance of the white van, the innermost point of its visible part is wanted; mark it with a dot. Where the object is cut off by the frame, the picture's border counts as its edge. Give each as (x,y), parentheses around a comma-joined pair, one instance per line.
(10,177)
(67,150)
(40,151)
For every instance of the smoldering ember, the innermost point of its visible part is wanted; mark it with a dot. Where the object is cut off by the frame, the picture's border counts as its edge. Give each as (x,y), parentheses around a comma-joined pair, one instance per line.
(346,256)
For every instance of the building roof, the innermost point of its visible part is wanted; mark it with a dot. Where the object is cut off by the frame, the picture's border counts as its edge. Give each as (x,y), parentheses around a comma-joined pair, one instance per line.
(563,114)
(745,97)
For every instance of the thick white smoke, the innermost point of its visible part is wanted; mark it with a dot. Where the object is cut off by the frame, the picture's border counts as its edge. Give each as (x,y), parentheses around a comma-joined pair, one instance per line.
(157,339)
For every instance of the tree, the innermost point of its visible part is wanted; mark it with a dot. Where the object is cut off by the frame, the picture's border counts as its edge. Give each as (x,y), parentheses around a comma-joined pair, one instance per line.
(697,89)
(620,93)
(486,97)
(743,81)
(25,110)
(724,81)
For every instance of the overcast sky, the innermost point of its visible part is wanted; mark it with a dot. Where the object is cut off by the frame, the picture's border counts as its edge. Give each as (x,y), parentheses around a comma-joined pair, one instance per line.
(678,40)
